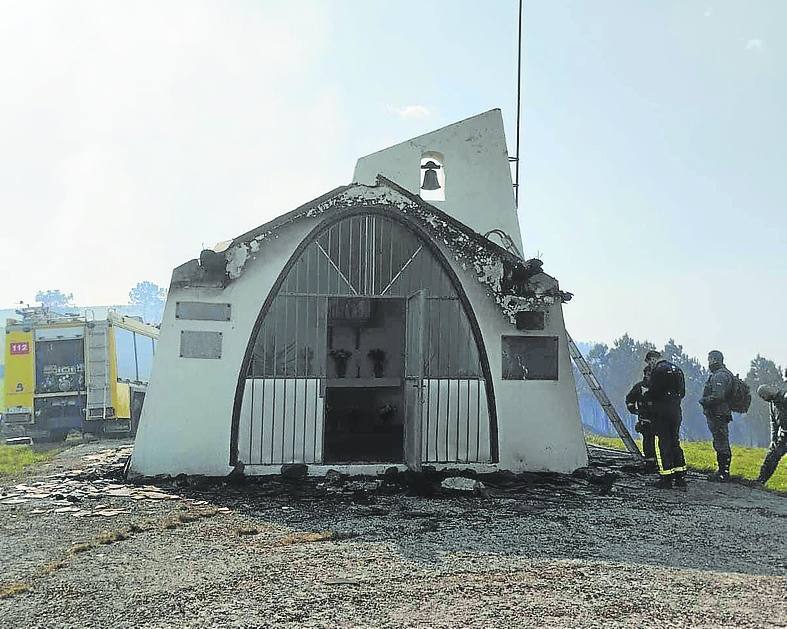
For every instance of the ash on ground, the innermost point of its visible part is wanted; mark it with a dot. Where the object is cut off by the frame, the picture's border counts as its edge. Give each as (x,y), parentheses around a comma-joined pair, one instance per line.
(81,547)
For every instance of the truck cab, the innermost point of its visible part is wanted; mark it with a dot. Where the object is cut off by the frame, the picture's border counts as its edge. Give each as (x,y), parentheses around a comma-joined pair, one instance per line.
(65,372)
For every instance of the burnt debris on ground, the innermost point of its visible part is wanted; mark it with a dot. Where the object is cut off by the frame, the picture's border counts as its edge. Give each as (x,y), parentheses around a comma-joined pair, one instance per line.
(80,492)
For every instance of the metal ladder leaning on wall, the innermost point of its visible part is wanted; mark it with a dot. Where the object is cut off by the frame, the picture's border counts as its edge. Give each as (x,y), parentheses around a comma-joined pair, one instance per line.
(97,367)
(606,405)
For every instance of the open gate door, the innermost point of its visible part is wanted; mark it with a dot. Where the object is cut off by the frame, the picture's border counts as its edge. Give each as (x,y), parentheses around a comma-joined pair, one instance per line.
(414,377)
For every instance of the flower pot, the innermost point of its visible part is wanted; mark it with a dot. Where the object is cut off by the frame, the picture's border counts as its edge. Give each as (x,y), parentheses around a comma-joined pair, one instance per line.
(341,367)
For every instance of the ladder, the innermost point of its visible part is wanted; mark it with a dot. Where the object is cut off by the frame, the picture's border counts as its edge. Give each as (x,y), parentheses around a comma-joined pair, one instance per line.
(606,405)
(97,370)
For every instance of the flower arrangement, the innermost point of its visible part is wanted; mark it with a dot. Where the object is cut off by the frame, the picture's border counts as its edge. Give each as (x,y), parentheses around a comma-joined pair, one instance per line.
(378,361)
(385,412)
(340,357)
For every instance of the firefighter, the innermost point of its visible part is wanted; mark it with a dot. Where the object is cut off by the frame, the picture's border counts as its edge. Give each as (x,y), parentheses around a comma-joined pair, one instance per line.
(663,397)
(715,404)
(778,448)
(635,403)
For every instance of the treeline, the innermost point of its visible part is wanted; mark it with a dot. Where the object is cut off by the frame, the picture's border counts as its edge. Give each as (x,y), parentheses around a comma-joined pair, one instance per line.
(146,298)
(620,366)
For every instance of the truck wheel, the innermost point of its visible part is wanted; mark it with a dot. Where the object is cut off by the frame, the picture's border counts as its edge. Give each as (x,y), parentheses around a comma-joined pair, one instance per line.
(58,436)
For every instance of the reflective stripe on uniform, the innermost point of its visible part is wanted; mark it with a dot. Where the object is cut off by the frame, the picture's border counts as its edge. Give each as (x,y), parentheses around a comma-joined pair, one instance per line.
(674,470)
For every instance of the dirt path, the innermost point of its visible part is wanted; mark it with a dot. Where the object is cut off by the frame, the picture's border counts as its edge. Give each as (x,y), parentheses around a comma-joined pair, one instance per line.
(91,551)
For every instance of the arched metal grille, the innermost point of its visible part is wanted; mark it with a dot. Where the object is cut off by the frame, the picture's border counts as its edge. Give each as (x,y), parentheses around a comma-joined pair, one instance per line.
(362,261)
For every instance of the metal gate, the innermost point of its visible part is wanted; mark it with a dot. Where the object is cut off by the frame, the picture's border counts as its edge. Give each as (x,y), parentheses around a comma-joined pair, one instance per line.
(282,416)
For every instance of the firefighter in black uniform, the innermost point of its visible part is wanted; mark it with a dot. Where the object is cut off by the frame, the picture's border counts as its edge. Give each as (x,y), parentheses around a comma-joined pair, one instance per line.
(778,448)
(667,387)
(635,403)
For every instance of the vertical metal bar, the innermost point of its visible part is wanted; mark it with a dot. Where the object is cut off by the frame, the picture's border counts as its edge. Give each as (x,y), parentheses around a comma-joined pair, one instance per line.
(419,269)
(295,393)
(458,419)
(324,263)
(458,382)
(478,420)
(365,225)
(434,283)
(339,236)
(471,371)
(307,360)
(317,264)
(349,247)
(390,253)
(294,416)
(262,420)
(136,359)
(251,408)
(428,369)
(285,342)
(467,422)
(369,253)
(295,382)
(305,405)
(375,227)
(276,318)
(438,377)
(448,374)
(341,225)
(314,427)
(264,374)
(284,419)
(361,248)
(322,325)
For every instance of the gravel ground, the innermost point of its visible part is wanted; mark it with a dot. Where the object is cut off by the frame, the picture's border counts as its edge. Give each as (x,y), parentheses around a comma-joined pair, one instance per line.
(546,552)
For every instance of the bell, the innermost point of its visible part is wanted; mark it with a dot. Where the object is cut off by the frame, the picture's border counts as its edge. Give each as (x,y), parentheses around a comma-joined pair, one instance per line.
(430,176)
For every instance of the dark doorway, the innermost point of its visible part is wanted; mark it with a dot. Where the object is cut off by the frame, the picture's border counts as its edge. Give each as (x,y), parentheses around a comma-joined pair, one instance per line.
(363,424)
(364,418)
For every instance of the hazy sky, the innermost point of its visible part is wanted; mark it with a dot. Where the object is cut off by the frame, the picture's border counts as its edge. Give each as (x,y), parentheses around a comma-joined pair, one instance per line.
(654,170)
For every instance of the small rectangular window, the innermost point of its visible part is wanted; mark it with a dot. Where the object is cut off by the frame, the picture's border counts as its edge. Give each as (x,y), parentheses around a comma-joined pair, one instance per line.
(144,348)
(530,358)
(126,358)
(530,320)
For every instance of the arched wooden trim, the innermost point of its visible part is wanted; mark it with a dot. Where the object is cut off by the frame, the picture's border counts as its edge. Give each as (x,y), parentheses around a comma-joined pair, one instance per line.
(426,239)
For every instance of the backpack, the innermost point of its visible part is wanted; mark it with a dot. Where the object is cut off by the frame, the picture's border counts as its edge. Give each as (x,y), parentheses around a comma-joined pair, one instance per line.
(739,397)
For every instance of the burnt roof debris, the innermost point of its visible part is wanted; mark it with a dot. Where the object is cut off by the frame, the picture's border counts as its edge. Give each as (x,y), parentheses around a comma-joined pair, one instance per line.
(515,284)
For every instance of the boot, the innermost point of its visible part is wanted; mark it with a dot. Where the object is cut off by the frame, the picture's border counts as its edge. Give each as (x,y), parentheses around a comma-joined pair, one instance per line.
(720,476)
(664,482)
(651,466)
(680,481)
(723,474)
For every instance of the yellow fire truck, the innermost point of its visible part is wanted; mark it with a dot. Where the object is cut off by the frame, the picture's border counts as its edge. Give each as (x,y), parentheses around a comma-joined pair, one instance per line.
(66,372)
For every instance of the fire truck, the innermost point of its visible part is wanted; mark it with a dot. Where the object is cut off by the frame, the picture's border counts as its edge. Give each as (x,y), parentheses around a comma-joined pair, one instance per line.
(69,372)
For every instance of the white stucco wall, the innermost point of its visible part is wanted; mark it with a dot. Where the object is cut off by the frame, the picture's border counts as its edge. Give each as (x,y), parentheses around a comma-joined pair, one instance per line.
(186,421)
(478,186)
(538,420)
